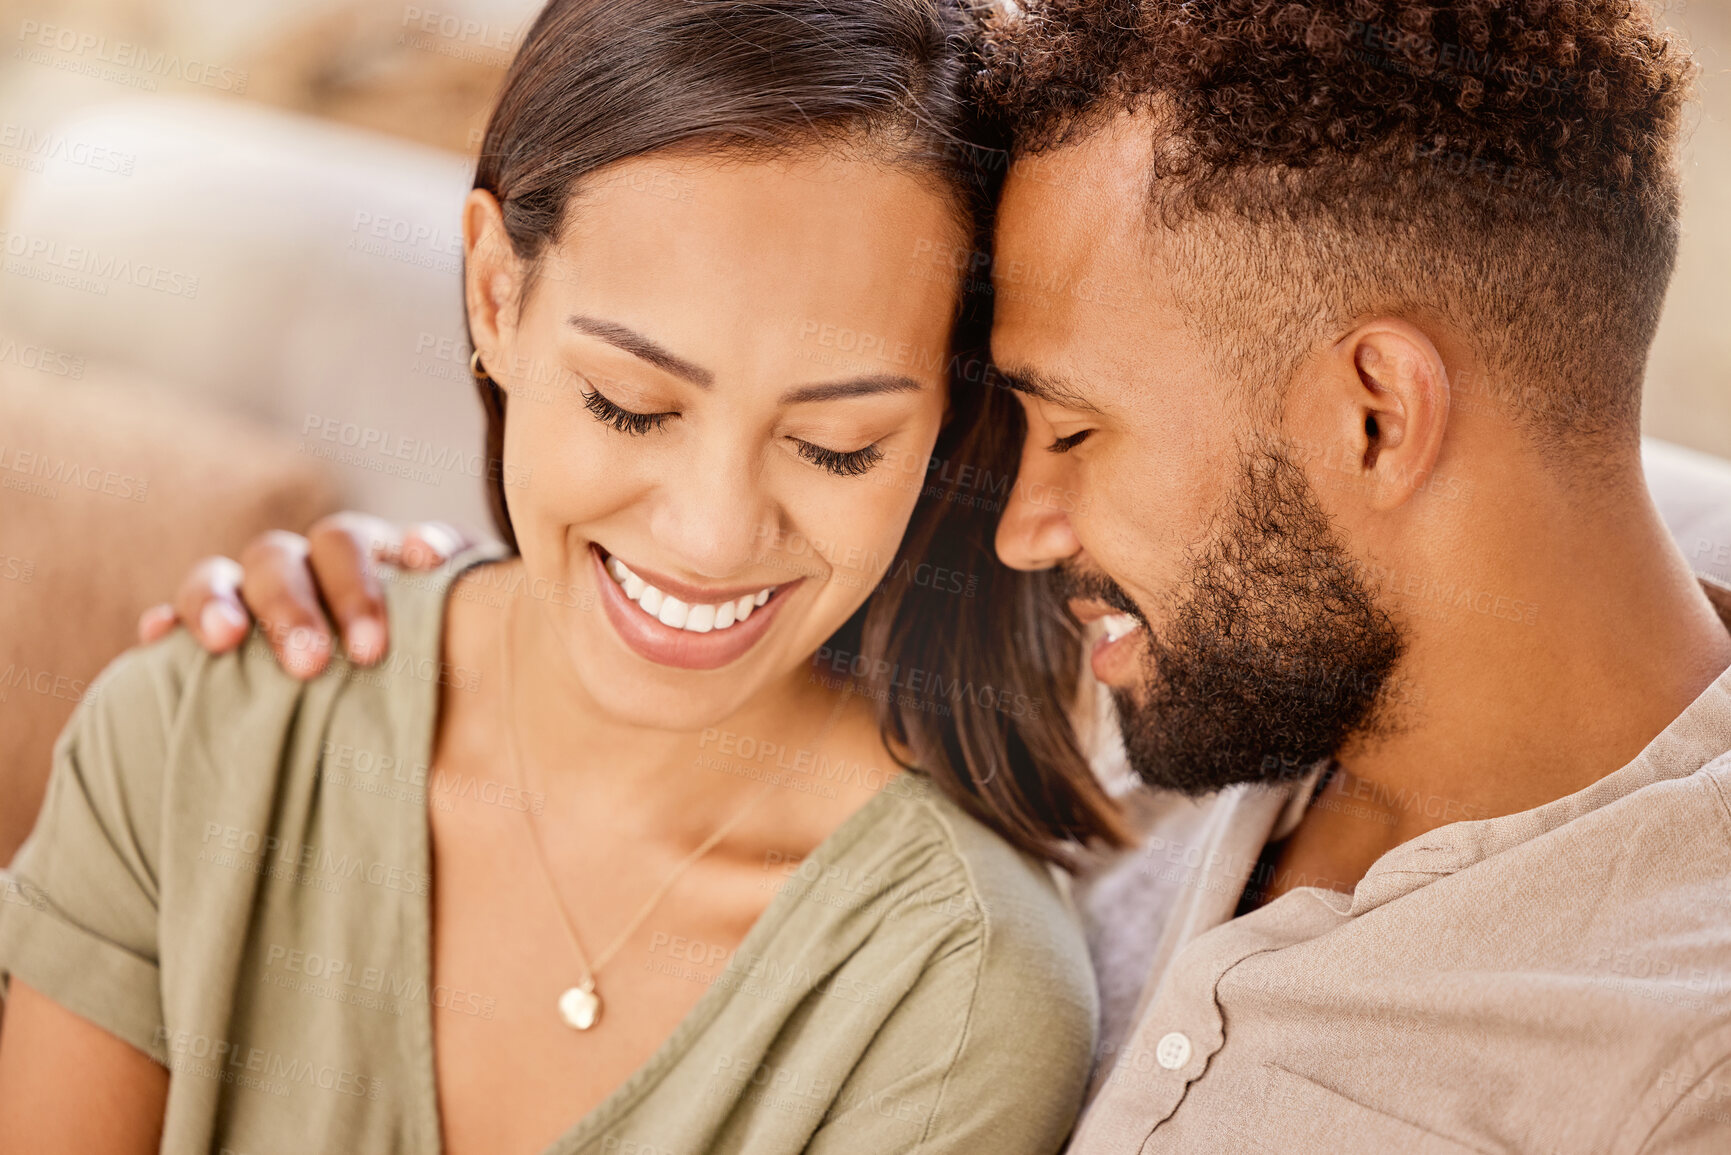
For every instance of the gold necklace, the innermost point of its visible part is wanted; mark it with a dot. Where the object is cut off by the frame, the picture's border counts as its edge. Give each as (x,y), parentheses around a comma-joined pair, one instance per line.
(580,1005)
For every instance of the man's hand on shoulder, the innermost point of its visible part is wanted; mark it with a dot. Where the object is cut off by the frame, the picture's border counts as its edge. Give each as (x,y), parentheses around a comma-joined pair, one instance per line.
(295,586)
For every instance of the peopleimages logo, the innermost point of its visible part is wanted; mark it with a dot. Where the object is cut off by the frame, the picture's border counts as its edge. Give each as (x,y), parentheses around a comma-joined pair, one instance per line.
(37,146)
(368,442)
(87,52)
(45,471)
(47,683)
(930,685)
(40,358)
(88,269)
(195,1053)
(457,31)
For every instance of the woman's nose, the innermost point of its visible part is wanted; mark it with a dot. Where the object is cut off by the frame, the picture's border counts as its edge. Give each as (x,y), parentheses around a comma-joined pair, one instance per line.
(714,518)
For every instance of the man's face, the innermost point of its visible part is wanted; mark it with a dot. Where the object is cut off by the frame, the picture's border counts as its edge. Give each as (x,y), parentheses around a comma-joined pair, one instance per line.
(1235,635)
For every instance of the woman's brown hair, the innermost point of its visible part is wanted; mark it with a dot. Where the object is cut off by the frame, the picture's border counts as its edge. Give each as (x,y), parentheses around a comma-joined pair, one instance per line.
(971,665)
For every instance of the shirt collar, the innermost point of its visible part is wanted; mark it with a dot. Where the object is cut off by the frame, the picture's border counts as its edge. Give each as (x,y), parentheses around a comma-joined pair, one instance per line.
(1701,733)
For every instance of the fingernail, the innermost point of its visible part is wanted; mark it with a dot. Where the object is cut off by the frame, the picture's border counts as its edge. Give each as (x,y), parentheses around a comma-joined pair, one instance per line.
(305,648)
(437,537)
(366,639)
(220,618)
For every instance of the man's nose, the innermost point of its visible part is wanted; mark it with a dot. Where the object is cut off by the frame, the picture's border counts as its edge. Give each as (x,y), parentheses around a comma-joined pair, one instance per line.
(1035,531)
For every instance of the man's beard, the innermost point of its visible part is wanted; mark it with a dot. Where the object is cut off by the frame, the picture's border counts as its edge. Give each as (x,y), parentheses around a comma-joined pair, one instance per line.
(1274,655)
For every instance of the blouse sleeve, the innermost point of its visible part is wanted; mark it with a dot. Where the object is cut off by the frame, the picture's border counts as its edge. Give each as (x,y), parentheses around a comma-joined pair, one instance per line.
(1007,1078)
(78,908)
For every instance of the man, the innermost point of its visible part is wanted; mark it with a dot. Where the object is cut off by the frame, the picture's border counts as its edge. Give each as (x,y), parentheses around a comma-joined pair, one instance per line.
(1334,318)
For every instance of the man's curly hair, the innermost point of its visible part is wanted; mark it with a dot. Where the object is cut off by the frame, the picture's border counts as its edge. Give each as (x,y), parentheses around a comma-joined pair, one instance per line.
(1507,165)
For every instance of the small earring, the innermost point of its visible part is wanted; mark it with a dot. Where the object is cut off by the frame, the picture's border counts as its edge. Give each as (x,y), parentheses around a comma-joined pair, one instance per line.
(476,370)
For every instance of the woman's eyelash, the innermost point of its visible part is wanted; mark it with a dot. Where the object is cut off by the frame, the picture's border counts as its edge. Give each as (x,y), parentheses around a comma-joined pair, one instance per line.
(1065,444)
(850,464)
(624,420)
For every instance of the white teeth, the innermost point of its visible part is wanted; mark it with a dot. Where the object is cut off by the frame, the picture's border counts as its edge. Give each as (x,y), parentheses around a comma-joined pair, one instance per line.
(1117,625)
(670,611)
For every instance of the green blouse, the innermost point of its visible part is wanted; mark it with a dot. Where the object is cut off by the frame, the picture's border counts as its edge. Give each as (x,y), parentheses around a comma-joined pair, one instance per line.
(231,873)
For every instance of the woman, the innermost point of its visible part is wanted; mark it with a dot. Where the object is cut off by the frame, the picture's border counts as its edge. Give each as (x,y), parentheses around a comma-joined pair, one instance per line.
(597,858)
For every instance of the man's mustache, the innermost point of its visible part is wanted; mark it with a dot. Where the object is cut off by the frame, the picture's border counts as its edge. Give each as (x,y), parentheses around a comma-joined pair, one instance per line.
(1076,581)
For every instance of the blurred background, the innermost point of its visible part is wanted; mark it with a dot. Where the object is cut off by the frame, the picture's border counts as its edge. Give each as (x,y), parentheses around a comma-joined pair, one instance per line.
(229,300)
(425,73)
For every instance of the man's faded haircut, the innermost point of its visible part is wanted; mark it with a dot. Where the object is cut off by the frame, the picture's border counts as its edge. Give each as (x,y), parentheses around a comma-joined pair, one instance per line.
(1505,166)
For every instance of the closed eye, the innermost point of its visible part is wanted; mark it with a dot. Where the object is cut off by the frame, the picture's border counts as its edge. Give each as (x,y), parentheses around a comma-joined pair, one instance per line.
(624,420)
(1065,444)
(849,464)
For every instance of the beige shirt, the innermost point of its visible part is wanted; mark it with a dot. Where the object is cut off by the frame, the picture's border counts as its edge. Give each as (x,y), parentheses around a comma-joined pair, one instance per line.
(231,872)
(1552,981)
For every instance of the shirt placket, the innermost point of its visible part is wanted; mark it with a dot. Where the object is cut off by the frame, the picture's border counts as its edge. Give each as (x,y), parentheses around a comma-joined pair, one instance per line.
(1185,1028)
(1178,1031)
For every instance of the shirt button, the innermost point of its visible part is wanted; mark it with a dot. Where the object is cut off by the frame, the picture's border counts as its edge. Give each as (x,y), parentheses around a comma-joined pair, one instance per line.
(1173,1051)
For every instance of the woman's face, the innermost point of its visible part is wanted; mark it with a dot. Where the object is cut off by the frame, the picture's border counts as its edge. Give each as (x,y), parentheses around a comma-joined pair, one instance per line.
(723,382)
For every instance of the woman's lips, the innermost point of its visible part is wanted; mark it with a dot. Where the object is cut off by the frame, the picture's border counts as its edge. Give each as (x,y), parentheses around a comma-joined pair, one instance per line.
(664,637)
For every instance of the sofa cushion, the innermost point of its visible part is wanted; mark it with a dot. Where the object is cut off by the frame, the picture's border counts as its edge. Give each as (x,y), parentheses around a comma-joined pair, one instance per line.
(110,488)
(1693,493)
(284,269)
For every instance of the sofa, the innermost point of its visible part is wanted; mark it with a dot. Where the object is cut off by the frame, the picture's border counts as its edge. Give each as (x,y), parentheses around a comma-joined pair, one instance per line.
(215,319)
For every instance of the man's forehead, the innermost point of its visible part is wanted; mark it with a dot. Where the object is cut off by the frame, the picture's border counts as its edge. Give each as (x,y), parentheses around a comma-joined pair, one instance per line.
(1073,229)
(1074,270)
(1097,181)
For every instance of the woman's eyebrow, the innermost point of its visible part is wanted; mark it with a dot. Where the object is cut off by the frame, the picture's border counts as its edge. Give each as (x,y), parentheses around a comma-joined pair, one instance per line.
(642,347)
(856,387)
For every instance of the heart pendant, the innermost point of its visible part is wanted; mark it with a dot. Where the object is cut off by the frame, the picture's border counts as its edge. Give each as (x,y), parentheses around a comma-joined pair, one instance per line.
(579,1008)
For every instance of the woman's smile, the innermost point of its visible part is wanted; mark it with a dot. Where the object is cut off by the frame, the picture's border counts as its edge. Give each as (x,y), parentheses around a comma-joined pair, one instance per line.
(673,623)
(696,429)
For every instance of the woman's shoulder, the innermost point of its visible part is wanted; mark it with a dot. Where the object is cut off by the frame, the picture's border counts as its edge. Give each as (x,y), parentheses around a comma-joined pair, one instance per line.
(183,777)
(1025,930)
(171,694)
(990,1046)
(169,736)
(416,603)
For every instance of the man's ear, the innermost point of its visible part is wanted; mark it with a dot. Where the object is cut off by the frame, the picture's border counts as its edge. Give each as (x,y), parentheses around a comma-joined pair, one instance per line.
(492,282)
(1380,406)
